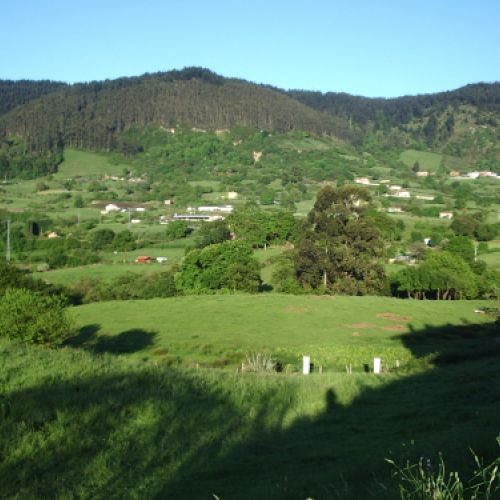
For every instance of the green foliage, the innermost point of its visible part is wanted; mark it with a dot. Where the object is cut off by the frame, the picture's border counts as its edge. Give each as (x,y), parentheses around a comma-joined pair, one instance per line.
(128,287)
(338,253)
(33,318)
(462,246)
(229,265)
(124,241)
(78,201)
(465,225)
(442,275)
(267,197)
(11,277)
(211,233)
(259,228)
(17,160)
(425,481)
(101,239)
(177,229)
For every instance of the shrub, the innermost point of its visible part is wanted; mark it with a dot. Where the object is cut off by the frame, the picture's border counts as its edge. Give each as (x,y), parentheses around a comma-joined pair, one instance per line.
(33,318)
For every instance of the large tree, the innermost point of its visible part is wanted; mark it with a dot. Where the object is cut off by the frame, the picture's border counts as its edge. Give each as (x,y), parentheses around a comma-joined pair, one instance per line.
(229,265)
(340,248)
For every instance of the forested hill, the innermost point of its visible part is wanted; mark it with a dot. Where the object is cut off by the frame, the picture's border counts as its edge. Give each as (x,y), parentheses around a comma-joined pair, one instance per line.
(93,115)
(394,112)
(14,93)
(47,116)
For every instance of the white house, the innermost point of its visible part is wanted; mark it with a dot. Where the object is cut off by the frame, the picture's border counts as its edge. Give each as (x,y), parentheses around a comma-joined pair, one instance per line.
(424,197)
(362,180)
(227,209)
(110,207)
(403,194)
(232,195)
(446,215)
(394,210)
(395,187)
(422,173)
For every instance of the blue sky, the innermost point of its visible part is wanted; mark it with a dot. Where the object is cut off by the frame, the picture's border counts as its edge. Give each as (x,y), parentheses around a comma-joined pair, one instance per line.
(372,48)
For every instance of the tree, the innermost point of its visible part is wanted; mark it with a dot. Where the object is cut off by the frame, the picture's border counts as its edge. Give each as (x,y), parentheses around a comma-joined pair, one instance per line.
(442,275)
(462,246)
(101,238)
(228,265)
(33,318)
(259,228)
(124,241)
(177,229)
(339,250)
(212,232)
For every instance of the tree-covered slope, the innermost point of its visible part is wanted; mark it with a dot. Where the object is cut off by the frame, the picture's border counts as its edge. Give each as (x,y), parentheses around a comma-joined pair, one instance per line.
(401,110)
(15,93)
(91,115)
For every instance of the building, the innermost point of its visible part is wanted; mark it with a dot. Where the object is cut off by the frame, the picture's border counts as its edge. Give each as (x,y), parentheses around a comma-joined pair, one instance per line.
(362,180)
(196,217)
(446,215)
(422,173)
(144,259)
(227,209)
(395,210)
(232,195)
(403,194)
(109,208)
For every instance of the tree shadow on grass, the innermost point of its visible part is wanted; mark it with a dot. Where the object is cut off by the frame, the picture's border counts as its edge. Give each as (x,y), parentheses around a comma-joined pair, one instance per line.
(127,342)
(164,433)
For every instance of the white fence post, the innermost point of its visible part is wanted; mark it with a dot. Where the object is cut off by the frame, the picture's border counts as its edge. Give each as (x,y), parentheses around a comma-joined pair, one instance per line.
(306,365)
(377,365)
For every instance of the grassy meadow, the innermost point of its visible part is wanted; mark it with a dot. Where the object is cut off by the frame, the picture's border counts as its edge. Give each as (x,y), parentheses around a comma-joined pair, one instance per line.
(76,424)
(427,160)
(218,331)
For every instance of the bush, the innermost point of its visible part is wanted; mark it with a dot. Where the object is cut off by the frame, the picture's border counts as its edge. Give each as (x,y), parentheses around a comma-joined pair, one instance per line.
(33,318)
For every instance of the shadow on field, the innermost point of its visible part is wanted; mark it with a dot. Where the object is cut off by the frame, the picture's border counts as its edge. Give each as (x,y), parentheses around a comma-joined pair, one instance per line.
(164,433)
(127,342)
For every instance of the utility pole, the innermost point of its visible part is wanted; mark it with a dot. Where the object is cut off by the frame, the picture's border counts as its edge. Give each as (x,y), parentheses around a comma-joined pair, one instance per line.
(7,252)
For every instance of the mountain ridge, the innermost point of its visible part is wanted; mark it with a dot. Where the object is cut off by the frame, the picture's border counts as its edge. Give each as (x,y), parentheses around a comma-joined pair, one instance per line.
(47,116)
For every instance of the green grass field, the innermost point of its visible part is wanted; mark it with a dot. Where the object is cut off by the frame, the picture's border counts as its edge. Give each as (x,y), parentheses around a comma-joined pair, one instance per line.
(427,160)
(68,276)
(93,420)
(220,330)
(85,163)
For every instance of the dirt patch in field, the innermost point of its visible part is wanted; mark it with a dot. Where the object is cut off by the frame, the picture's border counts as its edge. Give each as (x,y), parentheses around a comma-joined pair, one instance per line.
(361,326)
(297,309)
(356,334)
(395,328)
(394,317)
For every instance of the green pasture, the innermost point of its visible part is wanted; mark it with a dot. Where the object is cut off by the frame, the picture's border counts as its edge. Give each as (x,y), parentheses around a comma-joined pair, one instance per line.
(219,330)
(310,143)
(173,254)
(92,420)
(427,160)
(87,164)
(492,259)
(68,276)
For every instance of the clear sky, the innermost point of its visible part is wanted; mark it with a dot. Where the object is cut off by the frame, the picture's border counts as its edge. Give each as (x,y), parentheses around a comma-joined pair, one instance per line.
(366,47)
